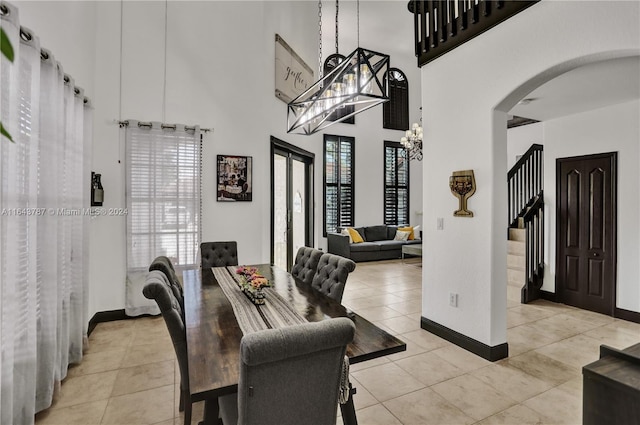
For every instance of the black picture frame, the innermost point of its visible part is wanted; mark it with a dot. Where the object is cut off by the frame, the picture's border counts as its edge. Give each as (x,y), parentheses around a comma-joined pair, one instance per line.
(234,178)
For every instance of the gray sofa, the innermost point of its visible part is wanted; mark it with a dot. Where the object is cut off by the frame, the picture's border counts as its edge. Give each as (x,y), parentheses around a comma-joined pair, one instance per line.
(378,244)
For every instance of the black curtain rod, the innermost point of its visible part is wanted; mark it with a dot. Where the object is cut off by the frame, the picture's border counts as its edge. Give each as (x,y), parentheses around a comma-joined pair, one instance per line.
(163,126)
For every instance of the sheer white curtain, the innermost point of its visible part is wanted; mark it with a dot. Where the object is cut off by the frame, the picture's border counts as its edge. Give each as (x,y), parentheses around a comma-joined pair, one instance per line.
(163,202)
(43,234)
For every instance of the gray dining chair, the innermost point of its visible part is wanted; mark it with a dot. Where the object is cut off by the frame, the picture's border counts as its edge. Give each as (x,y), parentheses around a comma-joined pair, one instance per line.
(158,288)
(306,264)
(331,275)
(289,376)
(165,265)
(219,254)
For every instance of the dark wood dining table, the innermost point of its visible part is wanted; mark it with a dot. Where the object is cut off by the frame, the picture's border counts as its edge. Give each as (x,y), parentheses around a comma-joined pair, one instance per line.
(213,334)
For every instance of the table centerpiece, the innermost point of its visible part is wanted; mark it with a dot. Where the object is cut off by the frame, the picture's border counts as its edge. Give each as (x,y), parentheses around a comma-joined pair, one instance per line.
(251,283)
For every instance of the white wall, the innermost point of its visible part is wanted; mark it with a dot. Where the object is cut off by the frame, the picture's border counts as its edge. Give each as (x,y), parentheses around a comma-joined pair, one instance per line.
(612,129)
(220,74)
(466,94)
(520,139)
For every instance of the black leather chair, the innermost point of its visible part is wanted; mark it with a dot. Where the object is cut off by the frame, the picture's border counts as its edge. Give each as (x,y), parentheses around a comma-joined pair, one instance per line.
(306,264)
(331,276)
(219,254)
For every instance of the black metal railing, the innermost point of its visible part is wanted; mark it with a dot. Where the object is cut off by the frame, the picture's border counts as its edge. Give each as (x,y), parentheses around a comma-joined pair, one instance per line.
(524,183)
(534,250)
(442,25)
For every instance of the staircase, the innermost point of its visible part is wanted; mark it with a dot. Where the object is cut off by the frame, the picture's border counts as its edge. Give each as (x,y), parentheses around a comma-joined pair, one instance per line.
(525,250)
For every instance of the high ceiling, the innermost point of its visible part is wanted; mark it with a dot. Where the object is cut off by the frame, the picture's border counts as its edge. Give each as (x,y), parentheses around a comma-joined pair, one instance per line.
(583,89)
(387,25)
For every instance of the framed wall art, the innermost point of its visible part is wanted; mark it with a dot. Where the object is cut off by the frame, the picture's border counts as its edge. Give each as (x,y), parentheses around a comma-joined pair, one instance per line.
(293,75)
(234,178)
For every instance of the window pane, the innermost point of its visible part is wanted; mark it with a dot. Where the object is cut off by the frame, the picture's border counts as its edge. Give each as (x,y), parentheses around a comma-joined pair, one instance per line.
(339,198)
(396,190)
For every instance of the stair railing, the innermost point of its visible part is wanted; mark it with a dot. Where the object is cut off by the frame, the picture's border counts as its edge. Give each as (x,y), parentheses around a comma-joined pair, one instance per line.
(524,183)
(534,250)
(442,25)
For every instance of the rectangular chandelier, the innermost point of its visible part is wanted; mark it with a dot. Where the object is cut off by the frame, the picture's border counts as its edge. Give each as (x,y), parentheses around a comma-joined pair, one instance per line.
(358,81)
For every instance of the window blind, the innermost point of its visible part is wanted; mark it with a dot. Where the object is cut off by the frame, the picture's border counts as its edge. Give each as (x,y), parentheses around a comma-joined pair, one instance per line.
(339,158)
(396,184)
(395,112)
(163,194)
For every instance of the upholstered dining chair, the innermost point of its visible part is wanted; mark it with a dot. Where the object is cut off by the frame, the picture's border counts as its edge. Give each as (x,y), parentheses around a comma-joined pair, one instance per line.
(331,275)
(158,288)
(219,254)
(289,376)
(306,264)
(165,265)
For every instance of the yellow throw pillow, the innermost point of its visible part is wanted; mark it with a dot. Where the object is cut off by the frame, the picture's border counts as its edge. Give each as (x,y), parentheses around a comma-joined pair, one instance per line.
(355,236)
(408,229)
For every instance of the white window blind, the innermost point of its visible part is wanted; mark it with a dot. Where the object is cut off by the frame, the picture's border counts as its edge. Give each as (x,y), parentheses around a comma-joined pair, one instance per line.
(163,201)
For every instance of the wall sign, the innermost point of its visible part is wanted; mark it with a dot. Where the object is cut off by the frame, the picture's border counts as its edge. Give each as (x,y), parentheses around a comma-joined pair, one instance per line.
(293,75)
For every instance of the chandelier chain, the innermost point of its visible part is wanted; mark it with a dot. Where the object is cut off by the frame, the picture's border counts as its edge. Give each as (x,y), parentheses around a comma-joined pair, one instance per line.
(337,8)
(320,38)
(358,21)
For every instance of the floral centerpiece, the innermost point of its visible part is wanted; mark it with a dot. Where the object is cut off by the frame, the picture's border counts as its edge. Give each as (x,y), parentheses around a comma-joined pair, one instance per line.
(251,282)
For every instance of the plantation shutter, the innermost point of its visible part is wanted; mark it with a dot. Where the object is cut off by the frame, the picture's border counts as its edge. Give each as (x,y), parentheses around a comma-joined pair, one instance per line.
(396,187)
(339,182)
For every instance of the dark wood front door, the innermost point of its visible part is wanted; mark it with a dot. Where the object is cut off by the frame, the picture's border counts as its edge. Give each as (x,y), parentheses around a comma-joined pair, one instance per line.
(586,226)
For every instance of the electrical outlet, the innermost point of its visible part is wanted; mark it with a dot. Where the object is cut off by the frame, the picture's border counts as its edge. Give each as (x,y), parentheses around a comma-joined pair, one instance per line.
(453,299)
(440,225)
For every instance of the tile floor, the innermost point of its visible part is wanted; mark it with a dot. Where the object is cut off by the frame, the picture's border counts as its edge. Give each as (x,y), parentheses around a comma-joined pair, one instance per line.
(129,374)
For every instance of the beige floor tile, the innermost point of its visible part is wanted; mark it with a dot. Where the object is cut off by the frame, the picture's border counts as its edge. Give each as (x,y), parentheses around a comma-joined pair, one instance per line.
(387,381)
(542,367)
(85,388)
(461,358)
(562,326)
(407,306)
(144,407)
(375,415)
(382,298)
(425,339)
(400,324)
(352,294)
(171,421)
(369,363)
(150,353)
(517,384)
(426,407)
(515,415)
(474,397)
(524,338)
(429,368)
(590,316)
(412,350)
(362,397)
(531,313)
(613,336)
(81,414)
(557,407)
(624,325)
(378,313)
(577,351)
(144,377)
(110,338)
(100,361)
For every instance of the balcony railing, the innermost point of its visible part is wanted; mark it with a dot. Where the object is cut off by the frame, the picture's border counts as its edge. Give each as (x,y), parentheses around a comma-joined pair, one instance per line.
(442,25)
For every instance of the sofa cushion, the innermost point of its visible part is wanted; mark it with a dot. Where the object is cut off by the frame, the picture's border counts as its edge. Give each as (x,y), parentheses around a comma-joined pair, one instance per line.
(362,233)
(365,247)
(389,245)
(391,232)
(355,236)
(415,241)
(376,233)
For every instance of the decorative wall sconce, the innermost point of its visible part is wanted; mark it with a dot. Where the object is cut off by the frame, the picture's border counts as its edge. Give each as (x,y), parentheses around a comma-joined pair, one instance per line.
(463,185)
(97,192)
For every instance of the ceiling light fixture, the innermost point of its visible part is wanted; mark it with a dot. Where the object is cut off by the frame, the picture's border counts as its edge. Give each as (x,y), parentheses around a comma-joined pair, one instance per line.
(358,81)
(412,140)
